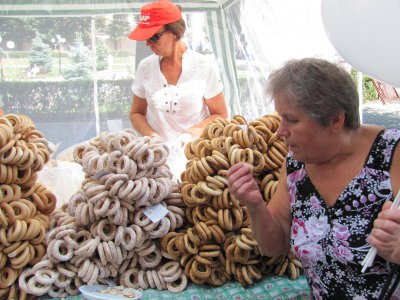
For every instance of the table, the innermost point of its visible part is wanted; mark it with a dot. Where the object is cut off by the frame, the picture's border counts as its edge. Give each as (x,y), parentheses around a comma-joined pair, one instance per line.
(271,288)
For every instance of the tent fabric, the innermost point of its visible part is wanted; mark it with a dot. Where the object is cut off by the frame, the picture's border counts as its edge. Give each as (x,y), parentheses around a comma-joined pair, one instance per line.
(90,7)
(220,37)
(249,38)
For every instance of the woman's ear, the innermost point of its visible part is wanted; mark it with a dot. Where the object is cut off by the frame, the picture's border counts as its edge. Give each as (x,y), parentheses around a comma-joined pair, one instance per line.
(337,122)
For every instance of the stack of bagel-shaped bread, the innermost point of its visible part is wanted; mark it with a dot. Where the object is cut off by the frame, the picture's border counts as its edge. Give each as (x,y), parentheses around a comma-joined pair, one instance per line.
(219,245)
(25,204)
(105,231)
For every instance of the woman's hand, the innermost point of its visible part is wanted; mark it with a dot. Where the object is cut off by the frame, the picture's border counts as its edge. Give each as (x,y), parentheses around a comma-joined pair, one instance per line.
(243,186)
(385,235)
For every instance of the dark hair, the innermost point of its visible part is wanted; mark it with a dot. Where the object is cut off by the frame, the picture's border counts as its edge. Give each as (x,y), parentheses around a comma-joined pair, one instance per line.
(322,89)
(178,28)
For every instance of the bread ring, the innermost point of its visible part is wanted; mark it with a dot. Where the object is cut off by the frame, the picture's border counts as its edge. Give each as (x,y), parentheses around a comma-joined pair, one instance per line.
(58,248)
(203,187)
(17,231)
(129,239)
(106,230)
(203,231)
(200,270)
(46,276)
(150,260)
(172,249)
(198,196)
(7,277)
(8,213)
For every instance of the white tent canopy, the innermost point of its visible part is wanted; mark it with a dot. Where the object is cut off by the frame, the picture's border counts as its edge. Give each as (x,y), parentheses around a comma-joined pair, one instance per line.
(248,38)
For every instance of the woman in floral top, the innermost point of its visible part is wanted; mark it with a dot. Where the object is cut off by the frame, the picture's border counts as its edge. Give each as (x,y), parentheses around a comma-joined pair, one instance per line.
(335,190)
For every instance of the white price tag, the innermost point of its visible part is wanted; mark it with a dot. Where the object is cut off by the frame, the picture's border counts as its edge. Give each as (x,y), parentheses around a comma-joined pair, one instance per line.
(243,127)
(155,212)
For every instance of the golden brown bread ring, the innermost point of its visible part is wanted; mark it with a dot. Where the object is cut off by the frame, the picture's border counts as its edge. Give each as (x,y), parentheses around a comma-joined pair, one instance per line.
(217,233)
(240,255)
(200,270)
(17,231)
(259,162)
(193,236)
(22,259)
(202,185)
(7,277)
(221,158)
(172,249)
(203,231)
(8,212)
(7,146)
(198,196)
(21,210)
(239,119)
(269,163)
(189,245)
(39,251)
(281,147)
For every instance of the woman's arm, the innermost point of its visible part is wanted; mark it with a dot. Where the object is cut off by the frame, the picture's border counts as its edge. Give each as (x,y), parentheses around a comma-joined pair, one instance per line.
(138,117)
(385,235)
(217,108)
(270,223)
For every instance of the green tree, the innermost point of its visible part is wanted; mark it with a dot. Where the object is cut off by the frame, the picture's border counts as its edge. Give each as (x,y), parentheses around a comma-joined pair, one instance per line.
(102,52)
(118,29)
(369,92)
(40,55)
(81,61)
(16,30)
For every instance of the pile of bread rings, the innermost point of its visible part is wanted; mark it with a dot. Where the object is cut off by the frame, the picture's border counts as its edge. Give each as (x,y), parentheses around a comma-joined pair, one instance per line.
(104,232)
(219,245)
(25,205)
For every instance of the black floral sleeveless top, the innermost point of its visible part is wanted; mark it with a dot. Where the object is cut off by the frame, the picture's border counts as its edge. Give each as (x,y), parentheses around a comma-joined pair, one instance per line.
(331,241)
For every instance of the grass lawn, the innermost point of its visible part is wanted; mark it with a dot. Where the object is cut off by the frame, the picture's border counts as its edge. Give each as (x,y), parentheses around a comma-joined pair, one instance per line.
(15,69)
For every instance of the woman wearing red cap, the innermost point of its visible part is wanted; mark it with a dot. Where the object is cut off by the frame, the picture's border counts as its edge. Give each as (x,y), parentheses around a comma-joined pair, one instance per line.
(177,91)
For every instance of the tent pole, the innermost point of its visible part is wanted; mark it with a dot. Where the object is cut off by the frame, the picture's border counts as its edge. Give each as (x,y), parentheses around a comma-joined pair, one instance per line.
(95,94)
(360,94)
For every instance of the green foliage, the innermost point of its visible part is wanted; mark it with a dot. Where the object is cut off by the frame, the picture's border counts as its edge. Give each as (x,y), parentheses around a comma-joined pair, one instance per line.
(65,100)
(120,53)
(16,30)
(81,62)
(102,53)
(40,55)
(369,92)
(26,54)
(118,29)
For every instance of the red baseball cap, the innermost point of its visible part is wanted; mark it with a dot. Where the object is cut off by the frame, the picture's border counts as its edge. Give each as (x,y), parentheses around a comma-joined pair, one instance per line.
(153,16)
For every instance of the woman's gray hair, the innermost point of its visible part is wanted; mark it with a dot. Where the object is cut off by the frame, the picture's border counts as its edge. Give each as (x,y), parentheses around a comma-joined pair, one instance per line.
(322,89)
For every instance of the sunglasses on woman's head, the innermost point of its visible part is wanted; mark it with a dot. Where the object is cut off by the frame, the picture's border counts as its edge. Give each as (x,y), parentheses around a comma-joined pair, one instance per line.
(155,38)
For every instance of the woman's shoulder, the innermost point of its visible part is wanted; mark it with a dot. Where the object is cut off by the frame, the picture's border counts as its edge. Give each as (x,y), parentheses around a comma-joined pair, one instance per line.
(149,60)
(374,132)
(199,57)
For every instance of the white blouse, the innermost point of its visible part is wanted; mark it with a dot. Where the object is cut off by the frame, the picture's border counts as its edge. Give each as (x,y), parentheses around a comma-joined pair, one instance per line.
(172,109)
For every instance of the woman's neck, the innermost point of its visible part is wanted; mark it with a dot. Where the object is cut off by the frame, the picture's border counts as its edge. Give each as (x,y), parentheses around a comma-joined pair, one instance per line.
(175,57)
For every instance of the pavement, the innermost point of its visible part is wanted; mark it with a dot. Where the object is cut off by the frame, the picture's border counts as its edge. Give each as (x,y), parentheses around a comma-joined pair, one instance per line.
(388,115)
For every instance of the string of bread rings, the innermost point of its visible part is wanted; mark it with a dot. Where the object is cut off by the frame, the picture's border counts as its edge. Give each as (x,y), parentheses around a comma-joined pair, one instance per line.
(219,245)
(103,232)
(25,205)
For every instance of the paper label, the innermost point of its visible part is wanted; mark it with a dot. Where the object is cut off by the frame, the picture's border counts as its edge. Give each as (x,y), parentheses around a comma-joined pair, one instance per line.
(155,212)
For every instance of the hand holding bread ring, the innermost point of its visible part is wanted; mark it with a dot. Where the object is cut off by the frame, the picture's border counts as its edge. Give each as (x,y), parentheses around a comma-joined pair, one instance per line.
(243,186)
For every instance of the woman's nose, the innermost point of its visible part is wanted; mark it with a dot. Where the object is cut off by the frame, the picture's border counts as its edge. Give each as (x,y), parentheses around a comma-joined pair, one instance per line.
(282,130)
